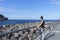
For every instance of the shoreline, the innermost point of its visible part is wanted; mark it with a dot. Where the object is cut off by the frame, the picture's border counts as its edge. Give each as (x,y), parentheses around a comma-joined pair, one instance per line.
(8,28)
(24,25)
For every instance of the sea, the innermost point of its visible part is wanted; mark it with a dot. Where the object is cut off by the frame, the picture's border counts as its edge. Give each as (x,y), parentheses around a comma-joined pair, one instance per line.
(23,21)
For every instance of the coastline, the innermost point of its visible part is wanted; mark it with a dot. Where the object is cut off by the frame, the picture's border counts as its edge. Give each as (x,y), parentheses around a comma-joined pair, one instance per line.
(25,25)
(12,27)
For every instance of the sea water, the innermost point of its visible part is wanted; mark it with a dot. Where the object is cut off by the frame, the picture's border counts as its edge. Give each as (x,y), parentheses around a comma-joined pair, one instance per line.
(23,21)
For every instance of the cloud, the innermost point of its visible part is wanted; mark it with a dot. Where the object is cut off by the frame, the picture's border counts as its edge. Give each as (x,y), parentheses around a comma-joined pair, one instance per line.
(1,0)
(55,2)
(9,10)
(52,0)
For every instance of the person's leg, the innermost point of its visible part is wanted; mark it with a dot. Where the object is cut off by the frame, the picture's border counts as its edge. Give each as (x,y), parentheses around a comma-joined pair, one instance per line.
(42,35)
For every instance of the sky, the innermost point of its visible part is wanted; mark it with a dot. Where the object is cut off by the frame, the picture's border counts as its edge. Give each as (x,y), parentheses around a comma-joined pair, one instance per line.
(30,9)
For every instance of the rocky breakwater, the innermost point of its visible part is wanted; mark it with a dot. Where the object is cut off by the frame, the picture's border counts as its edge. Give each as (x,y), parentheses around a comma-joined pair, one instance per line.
(28,34)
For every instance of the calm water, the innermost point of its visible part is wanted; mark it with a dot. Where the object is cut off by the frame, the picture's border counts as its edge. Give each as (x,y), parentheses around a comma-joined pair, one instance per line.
(23,21)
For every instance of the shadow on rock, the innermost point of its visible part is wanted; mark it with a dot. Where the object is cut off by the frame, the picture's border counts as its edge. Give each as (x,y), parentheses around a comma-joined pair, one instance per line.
(49,36)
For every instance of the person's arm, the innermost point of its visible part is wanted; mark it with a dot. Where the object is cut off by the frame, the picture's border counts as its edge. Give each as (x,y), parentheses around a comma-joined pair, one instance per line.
(39,25)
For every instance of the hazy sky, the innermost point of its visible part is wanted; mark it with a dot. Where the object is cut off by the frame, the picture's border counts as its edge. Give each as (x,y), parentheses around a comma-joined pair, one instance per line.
(30,9)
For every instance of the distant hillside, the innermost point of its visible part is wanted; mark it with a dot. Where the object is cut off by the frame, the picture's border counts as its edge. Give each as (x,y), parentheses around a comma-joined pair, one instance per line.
(3,17)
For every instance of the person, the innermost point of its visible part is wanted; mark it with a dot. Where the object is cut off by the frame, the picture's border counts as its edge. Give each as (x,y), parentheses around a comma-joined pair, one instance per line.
(41,27)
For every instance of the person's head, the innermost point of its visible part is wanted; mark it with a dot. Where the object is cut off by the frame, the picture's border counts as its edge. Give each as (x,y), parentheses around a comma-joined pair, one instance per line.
(41,17)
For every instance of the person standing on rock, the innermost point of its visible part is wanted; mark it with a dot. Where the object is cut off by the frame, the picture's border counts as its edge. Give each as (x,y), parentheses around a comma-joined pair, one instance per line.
(41,27)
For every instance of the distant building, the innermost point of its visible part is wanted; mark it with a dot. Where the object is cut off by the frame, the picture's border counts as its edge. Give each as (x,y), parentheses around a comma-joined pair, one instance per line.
(2,17)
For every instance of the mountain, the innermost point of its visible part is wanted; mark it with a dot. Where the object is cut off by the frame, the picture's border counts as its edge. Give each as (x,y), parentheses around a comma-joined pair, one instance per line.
(3,17)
